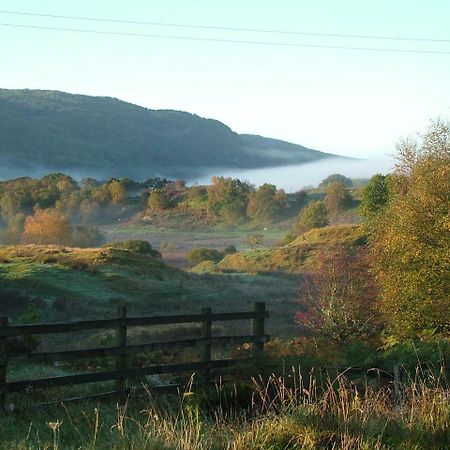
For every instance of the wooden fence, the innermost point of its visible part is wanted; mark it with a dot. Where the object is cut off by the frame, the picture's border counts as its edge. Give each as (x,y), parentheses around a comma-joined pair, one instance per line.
(121,323)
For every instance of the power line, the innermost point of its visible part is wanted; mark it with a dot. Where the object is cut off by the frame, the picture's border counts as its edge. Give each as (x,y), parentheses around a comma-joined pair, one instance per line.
(232,41)
(251,30)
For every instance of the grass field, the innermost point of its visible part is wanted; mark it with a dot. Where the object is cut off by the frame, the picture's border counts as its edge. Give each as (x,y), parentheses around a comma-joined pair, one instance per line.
(174,244)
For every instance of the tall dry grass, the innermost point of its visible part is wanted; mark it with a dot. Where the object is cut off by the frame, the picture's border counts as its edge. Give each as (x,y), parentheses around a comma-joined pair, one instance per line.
(288,412)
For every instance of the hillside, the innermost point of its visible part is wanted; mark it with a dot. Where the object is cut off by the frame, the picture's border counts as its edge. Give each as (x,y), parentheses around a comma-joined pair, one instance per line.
(298,256)
(46,131)
(65,283)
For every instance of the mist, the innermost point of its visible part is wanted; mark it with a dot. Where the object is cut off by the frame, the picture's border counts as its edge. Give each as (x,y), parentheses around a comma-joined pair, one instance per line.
(295,177)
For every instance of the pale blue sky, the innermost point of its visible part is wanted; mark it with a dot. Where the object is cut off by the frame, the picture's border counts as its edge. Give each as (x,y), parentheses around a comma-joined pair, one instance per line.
(344,102)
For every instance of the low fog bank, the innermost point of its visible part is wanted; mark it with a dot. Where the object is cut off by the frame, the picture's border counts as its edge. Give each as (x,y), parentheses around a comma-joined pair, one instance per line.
(294,177)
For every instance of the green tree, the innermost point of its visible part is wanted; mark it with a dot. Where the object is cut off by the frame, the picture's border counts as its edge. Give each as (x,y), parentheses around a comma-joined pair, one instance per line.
(410,239)
(266,204)
(197,255)
(313,215)
(375,195)
(335,178)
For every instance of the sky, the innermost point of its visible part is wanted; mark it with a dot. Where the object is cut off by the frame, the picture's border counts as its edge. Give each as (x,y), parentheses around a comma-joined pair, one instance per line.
(346,102)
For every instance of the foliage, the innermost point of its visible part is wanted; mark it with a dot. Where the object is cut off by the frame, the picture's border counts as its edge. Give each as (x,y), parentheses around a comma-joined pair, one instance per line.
(47,227)
(228,198)
(375,195)
(337,198)
(335,178)
(158,200)
(198,193)
(266,204)
(134,245)
(313,215)
(337,301)
(410,241)
(230,249)
(197,255)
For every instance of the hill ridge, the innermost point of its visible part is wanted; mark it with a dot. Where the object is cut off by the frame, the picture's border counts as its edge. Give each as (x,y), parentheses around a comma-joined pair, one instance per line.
(45,131)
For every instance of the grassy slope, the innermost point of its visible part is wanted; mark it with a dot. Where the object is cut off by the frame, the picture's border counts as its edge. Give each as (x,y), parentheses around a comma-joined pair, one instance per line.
(298,256)
(93,281)
(96,277)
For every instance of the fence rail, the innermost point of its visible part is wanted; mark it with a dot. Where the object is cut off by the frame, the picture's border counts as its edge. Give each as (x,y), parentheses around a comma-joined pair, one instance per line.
(121,323)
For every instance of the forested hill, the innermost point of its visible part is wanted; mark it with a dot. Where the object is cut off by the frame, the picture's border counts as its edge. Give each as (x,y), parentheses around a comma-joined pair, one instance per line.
(44,131)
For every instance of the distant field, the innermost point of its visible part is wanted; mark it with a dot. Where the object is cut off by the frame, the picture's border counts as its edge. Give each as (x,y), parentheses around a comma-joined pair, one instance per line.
(174,244)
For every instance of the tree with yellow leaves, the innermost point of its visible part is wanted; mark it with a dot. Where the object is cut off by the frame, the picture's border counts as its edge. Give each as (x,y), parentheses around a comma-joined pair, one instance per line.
(47,226)
(410,237)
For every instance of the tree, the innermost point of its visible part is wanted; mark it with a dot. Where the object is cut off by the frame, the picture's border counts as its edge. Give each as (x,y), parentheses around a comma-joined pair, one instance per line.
(117,191)
(47,227)
(197,255)
(375,195)
(410,239)
(228,198)
(338,301)
(335,178)
(266,204)
(313,215)
(337,198)
(158,200)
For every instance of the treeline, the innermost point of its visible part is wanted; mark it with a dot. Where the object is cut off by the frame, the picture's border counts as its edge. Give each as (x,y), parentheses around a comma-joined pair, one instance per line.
(234,202)
(57,209)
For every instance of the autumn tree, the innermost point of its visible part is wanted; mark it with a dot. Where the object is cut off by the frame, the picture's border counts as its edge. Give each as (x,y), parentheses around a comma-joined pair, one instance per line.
(337,198)
(266,204)
(410,241)
(313,215)
(47,227)
(158,200)
(338,300)
(228,198)
(117,191)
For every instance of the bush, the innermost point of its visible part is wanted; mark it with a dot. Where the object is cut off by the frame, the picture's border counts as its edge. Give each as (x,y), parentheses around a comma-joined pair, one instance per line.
(313,215)
(197,255)
(230,249)
(136,246)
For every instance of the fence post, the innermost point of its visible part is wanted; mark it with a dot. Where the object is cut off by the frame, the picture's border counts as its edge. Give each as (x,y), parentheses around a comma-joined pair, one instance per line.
(121,341)
(258,328)
(3,362)
(206,334)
